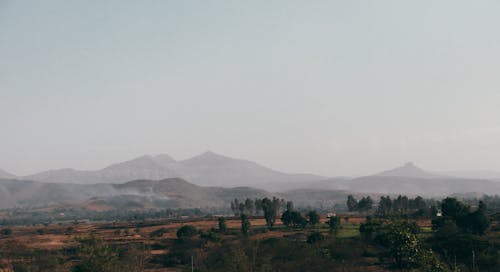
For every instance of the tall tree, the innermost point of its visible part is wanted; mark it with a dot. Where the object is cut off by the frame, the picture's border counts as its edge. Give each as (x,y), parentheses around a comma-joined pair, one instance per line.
(334,224)
(365,204)
(222,224)
(249,206)
(245,224)
(270,209)
(352,203)
(384,206)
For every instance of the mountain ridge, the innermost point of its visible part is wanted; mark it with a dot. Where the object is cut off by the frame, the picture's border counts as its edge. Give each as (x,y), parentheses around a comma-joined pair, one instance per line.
(208,169)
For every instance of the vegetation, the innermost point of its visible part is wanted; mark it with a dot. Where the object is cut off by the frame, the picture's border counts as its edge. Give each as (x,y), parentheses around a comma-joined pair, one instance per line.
(395,234)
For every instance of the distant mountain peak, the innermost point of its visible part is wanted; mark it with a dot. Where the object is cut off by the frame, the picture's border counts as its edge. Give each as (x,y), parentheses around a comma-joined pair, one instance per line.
(164,159)
(409,169)
(209,156)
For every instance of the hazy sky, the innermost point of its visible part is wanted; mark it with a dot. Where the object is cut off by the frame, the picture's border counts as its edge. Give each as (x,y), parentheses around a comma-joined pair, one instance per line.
(328,87)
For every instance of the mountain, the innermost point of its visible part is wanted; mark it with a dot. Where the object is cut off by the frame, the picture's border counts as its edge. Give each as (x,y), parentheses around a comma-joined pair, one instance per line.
(474,174)
(145,167)
(6,175)
(138,194)
(208,169)
(213,169)
(407,170)
(438,186)
(411,180)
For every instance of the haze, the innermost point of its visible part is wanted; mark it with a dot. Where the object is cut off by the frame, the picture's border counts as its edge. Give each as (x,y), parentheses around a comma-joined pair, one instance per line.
(331,88)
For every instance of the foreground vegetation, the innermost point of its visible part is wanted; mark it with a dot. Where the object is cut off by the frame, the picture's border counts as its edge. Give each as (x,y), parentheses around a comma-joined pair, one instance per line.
(397,234)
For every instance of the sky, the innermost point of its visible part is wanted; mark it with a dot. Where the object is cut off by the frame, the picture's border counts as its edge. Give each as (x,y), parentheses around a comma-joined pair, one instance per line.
(324,87)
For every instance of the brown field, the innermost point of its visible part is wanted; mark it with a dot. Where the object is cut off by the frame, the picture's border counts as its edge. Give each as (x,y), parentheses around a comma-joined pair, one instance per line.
(56,237)
(61,237)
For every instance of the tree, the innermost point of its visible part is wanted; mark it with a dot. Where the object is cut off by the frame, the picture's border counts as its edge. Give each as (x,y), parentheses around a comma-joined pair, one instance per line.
(249,206)
(186,232)
(286,218)
(404,246)
(384,206)
(95,255)
(365,204)
(6,232)
(418,203)
(235,206)
(136,257)
(222,224)
(314,217)
(245,224)
(477,221)
(453,208)
(352,203)
(334,224)
(400,205)
(298,221)
(270,208)
(258,205)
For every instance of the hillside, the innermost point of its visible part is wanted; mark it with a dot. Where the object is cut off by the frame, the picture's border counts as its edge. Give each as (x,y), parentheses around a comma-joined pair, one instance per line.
(409,169)
(139,194)
(409,179)
(207,169)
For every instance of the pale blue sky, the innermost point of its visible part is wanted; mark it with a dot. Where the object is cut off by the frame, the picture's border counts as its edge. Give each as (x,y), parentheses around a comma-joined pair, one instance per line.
(327,87)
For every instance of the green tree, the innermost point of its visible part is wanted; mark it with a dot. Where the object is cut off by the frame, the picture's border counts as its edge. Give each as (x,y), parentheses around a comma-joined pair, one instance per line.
(6,232)
(245,224)
(384,206)
(352,203)
(270,209)
(186,232)
(286,218)
(334,224)
(298,221)
(365,204)
(314,217)
(478,221)
(249,206)
(451,207)
(95,255)
(222,224)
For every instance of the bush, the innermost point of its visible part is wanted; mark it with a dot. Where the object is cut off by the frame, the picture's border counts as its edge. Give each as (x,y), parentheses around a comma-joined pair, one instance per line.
(186,231)
(6,232)
(315,237)
(159,233)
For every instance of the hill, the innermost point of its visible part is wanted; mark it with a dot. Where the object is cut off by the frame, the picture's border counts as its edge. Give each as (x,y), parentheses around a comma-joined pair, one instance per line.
(407,170)
(138,194)
(409,179)
(207,169)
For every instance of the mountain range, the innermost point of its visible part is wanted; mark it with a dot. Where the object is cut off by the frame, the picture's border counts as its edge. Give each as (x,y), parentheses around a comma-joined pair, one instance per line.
(207,169)
(192,182)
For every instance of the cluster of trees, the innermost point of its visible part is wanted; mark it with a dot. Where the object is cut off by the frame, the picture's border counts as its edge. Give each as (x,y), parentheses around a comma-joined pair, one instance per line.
(456,243)
(365,204)
(26,216)
(293,218)
(269,207)
(402,244)
(458,214)
(403,206)
(459,237)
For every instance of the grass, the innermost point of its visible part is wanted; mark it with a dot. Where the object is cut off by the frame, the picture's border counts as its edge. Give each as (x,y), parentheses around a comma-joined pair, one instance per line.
(348,231)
